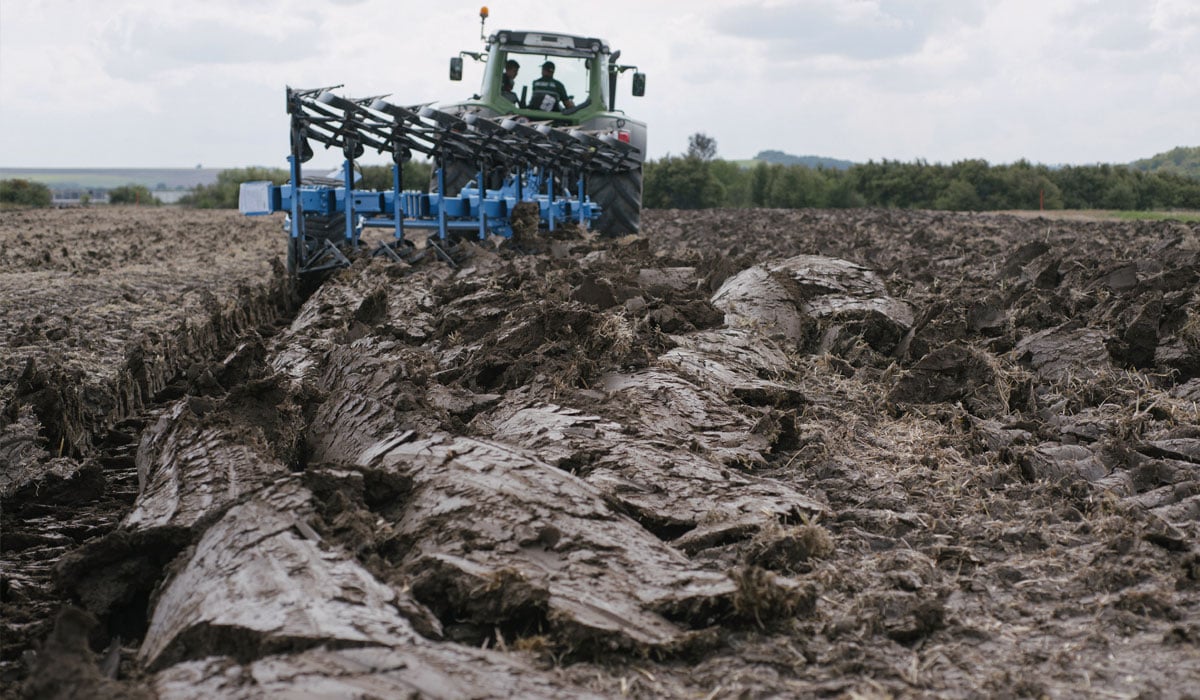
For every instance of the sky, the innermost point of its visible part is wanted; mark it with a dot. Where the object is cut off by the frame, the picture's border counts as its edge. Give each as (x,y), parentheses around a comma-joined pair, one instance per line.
(164,83)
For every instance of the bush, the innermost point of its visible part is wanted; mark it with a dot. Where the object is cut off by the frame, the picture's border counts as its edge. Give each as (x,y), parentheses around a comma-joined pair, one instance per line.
(133,194)
(735,182)
(798,187)
(223,194)
(24,193)
(959,195)
(842,194)
(967,185)
(415,176)
(682,183)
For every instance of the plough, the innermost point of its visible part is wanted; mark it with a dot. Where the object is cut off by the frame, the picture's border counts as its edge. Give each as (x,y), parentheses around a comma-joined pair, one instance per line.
(516,159)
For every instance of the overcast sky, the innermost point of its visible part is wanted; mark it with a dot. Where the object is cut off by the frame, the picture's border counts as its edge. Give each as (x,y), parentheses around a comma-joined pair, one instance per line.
(164,83)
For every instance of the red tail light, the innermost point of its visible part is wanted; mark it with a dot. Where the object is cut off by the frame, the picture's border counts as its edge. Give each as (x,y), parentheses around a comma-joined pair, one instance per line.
(623,135)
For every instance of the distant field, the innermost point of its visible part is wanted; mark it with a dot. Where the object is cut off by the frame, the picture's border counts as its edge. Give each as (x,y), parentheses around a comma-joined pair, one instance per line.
(1186,216)
(107,178)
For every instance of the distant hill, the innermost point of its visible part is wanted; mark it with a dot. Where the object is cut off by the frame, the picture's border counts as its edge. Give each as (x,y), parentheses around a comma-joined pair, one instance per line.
(1183,160)
(808,161)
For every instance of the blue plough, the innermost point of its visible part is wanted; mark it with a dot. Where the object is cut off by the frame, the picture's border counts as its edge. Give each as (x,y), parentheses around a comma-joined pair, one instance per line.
(527,162)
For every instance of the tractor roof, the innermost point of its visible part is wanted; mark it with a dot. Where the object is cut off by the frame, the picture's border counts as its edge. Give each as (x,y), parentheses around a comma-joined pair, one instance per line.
(550,42)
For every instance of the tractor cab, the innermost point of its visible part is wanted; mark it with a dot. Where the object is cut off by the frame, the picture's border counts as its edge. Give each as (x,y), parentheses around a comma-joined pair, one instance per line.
(532,90)
(562,77)
(546,80)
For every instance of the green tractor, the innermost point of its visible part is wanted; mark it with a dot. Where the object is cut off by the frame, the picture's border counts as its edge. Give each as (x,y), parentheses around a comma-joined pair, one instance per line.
(563,80)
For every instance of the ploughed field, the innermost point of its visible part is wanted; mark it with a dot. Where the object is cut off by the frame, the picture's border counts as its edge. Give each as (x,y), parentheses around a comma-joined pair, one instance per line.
(747,454)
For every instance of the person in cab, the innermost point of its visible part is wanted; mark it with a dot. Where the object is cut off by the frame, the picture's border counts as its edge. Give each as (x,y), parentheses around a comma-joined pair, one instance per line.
(549,95)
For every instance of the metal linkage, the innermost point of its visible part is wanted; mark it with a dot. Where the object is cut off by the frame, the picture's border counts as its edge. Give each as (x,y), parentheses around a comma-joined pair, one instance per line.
(533,161)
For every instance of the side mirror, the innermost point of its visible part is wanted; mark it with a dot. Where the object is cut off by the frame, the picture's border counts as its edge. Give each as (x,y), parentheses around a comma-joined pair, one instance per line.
(639,84)
(456,68)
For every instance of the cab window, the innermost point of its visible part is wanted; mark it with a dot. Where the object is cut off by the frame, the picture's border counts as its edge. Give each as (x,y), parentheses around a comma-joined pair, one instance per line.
(571,72)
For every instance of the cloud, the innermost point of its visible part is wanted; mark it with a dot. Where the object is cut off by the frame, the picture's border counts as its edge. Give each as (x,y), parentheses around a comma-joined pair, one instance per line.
(135,45)
(167,82)
(1114,25)
(861,30)
(49,66)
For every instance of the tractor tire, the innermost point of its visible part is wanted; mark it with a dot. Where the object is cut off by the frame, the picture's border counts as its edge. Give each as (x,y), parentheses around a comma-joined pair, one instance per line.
(317,230)
(620,197)
(458,174)
(332,227)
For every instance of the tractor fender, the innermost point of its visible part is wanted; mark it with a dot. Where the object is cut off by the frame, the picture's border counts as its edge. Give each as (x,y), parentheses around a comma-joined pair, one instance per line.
(618,121)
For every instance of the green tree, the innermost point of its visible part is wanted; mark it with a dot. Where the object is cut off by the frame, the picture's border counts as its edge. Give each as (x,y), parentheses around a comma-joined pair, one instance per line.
(1027,186)
(25,193)
(960,195)
(1083,186)
(702,146)
(841,191)
(414,175)
(760,183)
(1120,195)
(894,184)
(681,183)
(132,194)
(968,185)
(1166,190)
(735,180)
(797,186)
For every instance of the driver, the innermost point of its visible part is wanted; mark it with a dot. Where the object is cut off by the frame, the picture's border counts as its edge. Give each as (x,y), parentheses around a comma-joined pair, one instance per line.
(548,92)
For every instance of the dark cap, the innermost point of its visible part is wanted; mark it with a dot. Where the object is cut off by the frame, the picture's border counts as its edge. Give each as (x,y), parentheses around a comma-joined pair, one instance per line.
(548,64)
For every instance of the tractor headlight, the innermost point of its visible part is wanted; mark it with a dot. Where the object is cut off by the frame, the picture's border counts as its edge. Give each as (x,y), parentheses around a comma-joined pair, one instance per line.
(503,37)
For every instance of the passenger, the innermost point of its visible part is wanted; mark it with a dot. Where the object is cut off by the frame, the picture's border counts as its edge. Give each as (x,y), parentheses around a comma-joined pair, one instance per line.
(511,68)
(548,93)
(506,90)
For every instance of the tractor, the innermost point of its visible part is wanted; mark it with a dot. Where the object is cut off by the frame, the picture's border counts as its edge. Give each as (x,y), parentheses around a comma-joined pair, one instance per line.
(588,70)
(571,155)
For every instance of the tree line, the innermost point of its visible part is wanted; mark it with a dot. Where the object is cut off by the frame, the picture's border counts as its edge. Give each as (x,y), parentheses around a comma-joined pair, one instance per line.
(699,180)
(27,193)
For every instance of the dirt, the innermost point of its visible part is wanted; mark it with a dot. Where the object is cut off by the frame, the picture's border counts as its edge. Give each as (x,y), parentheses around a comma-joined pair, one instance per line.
(770,453)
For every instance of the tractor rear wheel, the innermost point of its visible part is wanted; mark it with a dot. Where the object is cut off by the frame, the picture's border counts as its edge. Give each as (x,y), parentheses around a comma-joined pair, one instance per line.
(317,230)
(332,227)
(620,198)
(458,174)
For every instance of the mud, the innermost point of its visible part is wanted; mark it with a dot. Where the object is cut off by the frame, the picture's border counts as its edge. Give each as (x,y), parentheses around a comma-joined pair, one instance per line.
(749,454)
